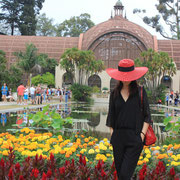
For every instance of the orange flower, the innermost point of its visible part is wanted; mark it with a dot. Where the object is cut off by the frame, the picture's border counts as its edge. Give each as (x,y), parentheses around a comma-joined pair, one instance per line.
(81,146)
(76,136)
(62,152)
(157,154)
(82,136)
(85,145)
(67,155)
(77,155)
(86,140)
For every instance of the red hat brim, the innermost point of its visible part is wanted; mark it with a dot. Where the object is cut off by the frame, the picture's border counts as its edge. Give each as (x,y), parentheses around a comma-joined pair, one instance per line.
(137,73)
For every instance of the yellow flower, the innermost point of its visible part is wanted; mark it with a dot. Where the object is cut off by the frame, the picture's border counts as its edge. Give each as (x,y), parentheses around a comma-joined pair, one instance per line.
(97,150)
(147,151)
(91,151)
(148,156)
(146,160)
(105,139)
(141,157)
(111,148)
(5,153)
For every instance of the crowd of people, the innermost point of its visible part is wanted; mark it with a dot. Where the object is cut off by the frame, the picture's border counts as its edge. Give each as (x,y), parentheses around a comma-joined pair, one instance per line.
(172,98)
(36,94)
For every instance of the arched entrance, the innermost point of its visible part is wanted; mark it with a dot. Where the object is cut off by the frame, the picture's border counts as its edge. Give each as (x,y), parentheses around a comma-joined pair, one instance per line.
(114,46)
(167,81)
(94,80)
(113,84)
(67,80)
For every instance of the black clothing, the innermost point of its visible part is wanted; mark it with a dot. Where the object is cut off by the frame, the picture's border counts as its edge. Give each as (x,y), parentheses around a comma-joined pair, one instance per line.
(128,114)
(127,147)
(126,119)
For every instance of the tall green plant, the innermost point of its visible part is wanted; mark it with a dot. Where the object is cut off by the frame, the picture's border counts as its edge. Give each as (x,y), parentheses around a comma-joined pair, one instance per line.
(80,64)
(159,65)
(81,92)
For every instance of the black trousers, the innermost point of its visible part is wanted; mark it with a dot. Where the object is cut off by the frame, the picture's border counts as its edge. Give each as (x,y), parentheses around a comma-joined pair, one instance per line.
(127,147)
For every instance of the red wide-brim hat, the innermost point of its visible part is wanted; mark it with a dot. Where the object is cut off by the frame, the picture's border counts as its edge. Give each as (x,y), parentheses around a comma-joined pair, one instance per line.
(127,71)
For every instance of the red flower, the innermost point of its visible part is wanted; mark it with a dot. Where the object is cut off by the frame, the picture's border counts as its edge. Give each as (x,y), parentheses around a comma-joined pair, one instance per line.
(62,170)
(72,163)
(36,157)
(51,157)
(66,163)
(80,159)
(40,157)
(172,171)
(10,174)
(44,176)
(28,159)
(10,149)
(99,165)
(17,167)
(35,173)
(115,175)
(84,161)
(21,177)
(103,173)
(49,173)
(2,164)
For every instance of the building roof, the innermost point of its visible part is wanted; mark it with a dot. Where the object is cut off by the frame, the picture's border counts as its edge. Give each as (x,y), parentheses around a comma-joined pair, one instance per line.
(172,47)
(53,46)
(118,3)
(117,24)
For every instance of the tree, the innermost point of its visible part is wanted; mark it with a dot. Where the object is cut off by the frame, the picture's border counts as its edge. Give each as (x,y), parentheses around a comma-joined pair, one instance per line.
(28,59)
(169,11)
(31,62)
(10,14)
(3,69)
(14,77)
(47,64)
(75,26)
(27,19)
(159,65)
(80,64)
(47,79)
(45,26)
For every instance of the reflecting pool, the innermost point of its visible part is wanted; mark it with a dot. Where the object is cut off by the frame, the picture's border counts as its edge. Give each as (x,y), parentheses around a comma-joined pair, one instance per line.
(91,118)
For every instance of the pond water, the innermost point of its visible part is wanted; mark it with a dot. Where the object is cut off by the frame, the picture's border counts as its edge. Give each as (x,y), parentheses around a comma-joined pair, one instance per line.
(91,118)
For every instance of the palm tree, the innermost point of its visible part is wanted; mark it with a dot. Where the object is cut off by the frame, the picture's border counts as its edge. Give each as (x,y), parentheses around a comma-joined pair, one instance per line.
(28,60)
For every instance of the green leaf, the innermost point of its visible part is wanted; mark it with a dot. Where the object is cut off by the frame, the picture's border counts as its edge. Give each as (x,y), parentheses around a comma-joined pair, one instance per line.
(166,120)
(168,126)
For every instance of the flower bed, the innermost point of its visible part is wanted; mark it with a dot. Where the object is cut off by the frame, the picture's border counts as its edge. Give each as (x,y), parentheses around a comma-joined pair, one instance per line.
(28,144)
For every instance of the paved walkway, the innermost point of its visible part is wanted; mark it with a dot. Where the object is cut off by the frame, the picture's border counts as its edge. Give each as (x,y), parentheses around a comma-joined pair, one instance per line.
(13,106)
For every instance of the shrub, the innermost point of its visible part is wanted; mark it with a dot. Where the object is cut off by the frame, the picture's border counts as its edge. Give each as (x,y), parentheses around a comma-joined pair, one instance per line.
(105,89)
(81,92)
(95,89)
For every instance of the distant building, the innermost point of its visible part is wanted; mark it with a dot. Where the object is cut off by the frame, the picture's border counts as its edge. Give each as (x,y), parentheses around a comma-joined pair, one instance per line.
(111,41)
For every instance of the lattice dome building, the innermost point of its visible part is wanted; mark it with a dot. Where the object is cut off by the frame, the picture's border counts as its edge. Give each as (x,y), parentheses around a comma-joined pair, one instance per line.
(111,41)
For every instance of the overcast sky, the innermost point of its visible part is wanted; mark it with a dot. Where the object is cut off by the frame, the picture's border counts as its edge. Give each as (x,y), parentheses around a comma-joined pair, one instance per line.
(100,10)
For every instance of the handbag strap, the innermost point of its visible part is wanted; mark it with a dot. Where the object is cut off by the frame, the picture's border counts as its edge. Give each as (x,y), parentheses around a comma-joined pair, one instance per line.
(141,98)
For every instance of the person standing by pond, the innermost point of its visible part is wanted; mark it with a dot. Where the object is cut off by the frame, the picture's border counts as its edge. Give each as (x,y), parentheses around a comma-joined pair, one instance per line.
(128,124)
(4,91)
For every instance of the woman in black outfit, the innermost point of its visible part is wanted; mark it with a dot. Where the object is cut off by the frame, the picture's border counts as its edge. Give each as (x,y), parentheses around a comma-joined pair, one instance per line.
(128,123)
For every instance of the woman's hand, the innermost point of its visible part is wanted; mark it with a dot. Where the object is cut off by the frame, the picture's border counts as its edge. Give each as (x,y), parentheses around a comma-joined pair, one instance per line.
(111,131)
(142,137)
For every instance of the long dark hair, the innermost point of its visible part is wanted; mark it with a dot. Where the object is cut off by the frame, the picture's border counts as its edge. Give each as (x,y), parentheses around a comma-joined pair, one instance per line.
(133,88)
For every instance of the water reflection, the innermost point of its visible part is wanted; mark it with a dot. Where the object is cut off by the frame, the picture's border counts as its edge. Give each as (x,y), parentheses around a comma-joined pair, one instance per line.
(91,118)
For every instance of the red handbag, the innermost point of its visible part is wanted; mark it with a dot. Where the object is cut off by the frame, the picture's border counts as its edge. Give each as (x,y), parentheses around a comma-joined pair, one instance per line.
(150,137)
